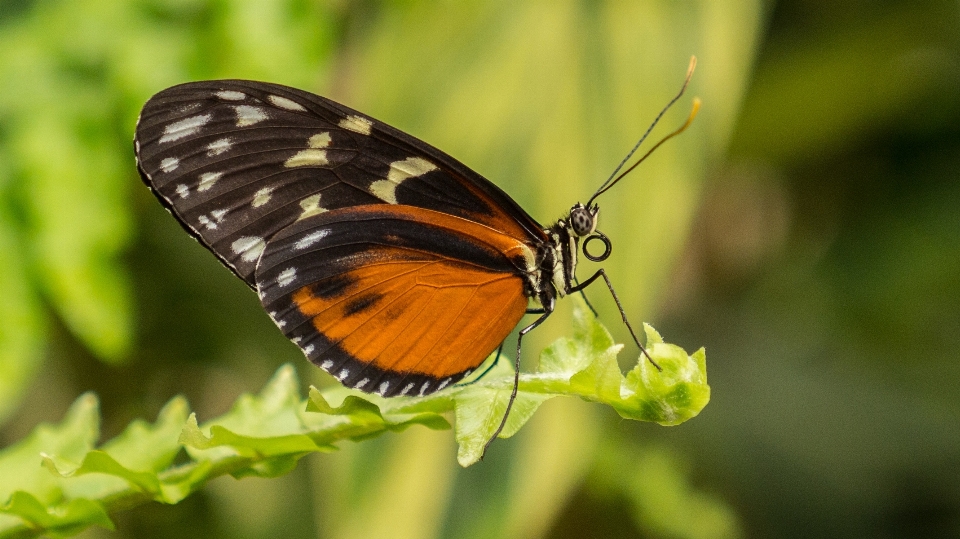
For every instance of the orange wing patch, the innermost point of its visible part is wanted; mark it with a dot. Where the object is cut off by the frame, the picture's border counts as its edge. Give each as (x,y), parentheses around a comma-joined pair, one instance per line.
(436,318)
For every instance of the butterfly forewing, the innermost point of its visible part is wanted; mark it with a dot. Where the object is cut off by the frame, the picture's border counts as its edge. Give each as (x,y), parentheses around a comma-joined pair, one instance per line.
(397,300)
(239,161)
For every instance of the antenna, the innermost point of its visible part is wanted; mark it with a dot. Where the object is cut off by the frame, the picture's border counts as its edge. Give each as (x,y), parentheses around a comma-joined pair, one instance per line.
(613,179)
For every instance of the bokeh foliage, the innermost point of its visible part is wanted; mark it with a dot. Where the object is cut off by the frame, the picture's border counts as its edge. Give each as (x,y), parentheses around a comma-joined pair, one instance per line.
(804,230)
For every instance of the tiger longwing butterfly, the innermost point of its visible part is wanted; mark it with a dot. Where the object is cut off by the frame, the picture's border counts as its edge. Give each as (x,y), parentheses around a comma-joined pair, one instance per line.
(394,267)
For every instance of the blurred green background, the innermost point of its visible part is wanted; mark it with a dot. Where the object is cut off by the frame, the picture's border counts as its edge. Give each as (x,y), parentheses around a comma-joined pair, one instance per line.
(806,230)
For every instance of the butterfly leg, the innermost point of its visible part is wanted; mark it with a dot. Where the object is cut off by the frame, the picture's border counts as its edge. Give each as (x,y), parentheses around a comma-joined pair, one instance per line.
(516,376)
(485,371)
(583,294)
(623,314)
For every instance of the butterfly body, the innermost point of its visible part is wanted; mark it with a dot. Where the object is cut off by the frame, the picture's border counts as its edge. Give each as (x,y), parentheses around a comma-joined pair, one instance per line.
(394,267)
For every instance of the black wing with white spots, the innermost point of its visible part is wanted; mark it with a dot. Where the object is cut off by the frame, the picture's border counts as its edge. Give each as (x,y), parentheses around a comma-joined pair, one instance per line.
(238,161)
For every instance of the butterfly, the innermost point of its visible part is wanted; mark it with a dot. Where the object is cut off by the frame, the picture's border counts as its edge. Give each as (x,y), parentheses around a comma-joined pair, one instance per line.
(393,266)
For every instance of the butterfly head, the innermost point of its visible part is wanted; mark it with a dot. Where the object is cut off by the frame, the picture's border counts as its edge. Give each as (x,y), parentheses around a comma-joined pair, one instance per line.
(583,224)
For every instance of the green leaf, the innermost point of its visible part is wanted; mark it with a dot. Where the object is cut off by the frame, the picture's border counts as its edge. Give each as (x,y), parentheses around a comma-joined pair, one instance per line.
(69,519)
(57,482)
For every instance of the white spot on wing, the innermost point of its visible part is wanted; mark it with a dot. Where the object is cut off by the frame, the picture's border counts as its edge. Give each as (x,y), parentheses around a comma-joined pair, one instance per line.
(207,179)
(287,276)
(311,206)
(285,103)
(185,127)
(326,364)
(310,239)
(205,221)
(362,383)
(356,124)
(411,167)
(169,164)
(231,95)
(382,390)
(218,146)
(249,248)
(443,384)
(296,340)
(406,389)
(218,215)
(247,115)
(183,191)
(308,349)
(261,197)
(423,389)
(342,375)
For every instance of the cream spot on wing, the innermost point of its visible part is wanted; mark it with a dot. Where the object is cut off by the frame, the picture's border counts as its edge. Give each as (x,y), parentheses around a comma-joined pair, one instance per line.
(406,389)
(383,388)
(326,364)
(296,340)
(307,158)
(362,383)
(411,167)
(285,103)
(314,156)
(385,190)
(443,384)
(231,95)
(311,206)
(218,146)
(249,247)
(356,124)
(207,179)
(169,164)
(423,389)
(342,375)
(320,140)
(310,239)
(218,215)
(308,349)
(247,115)
(185,127)
(261,197)
(183,191)
(287,276)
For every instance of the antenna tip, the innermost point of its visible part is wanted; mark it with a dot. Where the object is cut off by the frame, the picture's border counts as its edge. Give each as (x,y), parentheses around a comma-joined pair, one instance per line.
(693,65)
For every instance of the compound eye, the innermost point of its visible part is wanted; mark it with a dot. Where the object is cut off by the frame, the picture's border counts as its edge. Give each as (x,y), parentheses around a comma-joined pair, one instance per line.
(582,221)
(607,247)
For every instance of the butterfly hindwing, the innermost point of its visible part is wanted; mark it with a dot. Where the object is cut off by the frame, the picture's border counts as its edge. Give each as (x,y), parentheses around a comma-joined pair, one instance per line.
(238,161)
(394,299)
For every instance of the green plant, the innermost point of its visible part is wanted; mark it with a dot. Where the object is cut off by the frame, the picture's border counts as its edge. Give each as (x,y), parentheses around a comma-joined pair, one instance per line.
(58,482)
